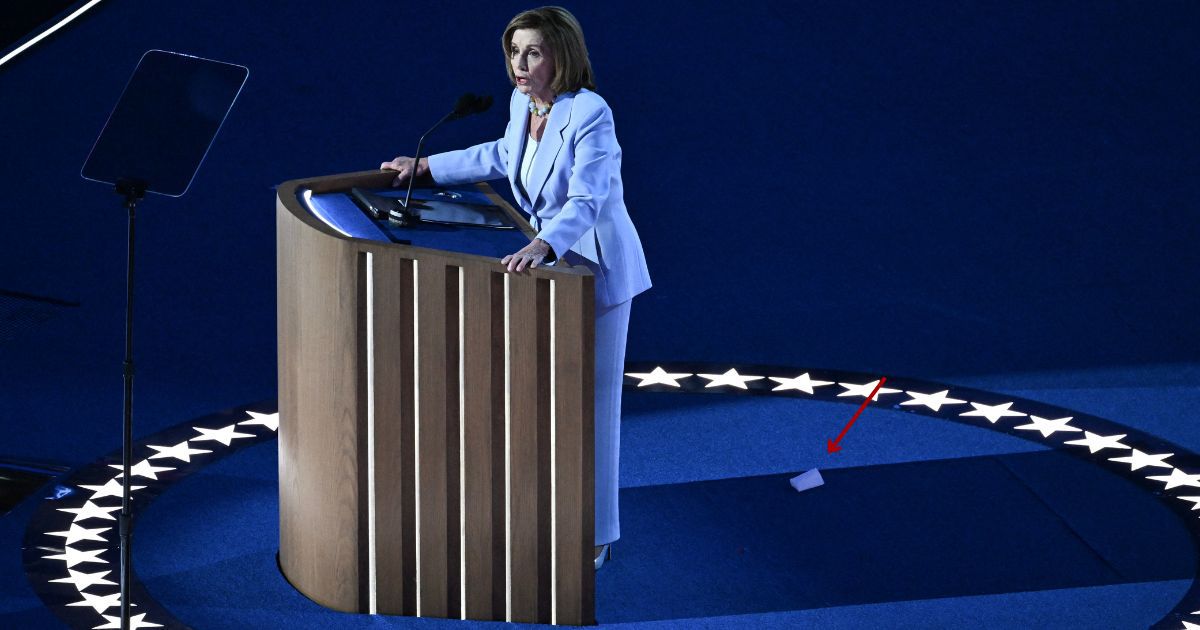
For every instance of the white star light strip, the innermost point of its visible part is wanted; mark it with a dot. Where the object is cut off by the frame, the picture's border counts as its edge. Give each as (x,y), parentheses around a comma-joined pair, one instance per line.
(182,451)
(82,581)
(730,378)
(224,435)
(1177,479)
(113,488)
(269,420)
(863,390)
(1138,460)
(100,603)
(1049,427)
(91,510)
(993,412)
(135,622)
(803,383)
(142,469)
(658,376)
(79,534)
(1095,443)
(110,489)
(933,401)
(74,556)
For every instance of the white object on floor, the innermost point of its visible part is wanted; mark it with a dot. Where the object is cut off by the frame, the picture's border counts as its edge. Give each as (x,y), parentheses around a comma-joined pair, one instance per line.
(807,480)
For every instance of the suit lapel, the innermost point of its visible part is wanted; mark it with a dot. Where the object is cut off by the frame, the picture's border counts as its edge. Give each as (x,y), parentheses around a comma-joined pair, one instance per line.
(551,144)
(519,115)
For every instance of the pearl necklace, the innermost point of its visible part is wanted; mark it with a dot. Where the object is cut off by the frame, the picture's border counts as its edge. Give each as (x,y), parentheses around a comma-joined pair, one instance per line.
(539,111)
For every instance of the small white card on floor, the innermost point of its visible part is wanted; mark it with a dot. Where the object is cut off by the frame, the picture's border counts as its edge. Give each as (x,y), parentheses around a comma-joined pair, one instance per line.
(807,480)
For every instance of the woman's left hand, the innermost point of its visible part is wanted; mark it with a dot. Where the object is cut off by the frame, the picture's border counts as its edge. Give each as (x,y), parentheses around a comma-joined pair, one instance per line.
(532,255)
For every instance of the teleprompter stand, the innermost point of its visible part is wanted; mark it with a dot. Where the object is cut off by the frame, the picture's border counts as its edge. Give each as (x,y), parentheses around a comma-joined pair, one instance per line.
(154,141)
(133,190)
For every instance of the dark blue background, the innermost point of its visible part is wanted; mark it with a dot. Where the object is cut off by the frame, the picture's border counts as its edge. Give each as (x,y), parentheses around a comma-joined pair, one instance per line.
(935,189)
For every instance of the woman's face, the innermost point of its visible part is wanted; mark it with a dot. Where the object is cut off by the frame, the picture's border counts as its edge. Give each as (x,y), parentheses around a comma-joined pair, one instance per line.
(531,63)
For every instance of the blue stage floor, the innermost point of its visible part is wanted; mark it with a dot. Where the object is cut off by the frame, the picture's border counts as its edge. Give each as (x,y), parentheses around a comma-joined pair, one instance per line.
(922,522)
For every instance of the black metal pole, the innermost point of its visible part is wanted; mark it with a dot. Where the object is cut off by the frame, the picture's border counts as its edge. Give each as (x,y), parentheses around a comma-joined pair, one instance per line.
(132,190)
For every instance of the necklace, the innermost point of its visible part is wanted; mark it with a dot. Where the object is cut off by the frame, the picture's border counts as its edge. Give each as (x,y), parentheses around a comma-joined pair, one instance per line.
(539,111)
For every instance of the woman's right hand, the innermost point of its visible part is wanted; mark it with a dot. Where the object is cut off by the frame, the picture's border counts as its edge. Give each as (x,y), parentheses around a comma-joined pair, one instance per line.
(403,167)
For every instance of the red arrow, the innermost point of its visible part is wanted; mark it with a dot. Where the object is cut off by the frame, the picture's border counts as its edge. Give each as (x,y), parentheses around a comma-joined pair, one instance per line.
(833,446)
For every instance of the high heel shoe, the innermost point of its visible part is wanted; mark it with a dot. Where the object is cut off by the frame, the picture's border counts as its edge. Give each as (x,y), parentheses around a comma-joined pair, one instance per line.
(605,554)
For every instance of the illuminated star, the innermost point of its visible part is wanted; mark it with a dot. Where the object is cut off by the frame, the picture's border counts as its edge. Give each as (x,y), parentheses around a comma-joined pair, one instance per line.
(1048,427)
(110,489)
(269,420)
(1099,442)
(1178,478)
(933,401)
(100,602)
(1196,506)
(658,376)
(865,389)
(74,556)
(1190,626)
(135,622)
(91,510)
(1140,460)
(802,383)
(82,580)
(731,378)
(224,435)
(142,469)
(181,451)
(992,412)
(77,533)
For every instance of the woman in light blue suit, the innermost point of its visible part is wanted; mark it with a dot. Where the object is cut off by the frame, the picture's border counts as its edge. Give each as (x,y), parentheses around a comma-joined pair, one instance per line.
(561,156)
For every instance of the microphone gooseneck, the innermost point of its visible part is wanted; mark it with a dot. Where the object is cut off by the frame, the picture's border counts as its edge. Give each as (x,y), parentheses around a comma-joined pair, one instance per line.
(467,104)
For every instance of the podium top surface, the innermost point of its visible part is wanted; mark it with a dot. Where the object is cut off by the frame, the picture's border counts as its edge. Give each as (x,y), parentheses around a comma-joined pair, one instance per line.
(325,204)
(339,211)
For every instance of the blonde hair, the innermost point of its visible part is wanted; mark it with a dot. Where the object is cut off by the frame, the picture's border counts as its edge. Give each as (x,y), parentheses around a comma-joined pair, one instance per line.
(564,36)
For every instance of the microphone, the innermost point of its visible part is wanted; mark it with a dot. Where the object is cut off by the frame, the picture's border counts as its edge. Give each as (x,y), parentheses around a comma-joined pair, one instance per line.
(467,104)
(471,104)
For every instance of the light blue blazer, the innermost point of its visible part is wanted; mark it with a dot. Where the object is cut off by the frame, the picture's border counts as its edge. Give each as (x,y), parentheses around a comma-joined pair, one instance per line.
(575,198)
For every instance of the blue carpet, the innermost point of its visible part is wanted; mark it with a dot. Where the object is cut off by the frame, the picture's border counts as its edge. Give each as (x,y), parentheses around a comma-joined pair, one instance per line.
(1066,609)
(675,438)
(939,529)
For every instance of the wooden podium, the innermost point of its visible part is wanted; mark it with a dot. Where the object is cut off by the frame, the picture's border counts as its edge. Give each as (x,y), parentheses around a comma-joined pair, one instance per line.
(436,423)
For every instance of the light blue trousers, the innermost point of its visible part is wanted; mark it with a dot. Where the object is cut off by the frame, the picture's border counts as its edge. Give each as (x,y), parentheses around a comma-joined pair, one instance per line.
(612,325)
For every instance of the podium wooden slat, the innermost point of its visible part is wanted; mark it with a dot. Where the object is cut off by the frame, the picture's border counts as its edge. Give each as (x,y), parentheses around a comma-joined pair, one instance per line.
(483,386)
(524,416)
(530,417)
(394,391)
(436,386)
(574,491)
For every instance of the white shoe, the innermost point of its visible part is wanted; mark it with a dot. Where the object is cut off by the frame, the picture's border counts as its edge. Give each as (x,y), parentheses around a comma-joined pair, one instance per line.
(605,554)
